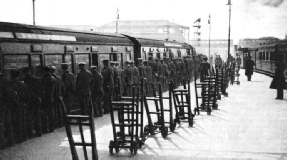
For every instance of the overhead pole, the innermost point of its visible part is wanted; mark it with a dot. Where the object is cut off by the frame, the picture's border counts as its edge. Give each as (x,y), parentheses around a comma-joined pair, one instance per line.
(118,16)
(209,37)
(34,23)
(228,56)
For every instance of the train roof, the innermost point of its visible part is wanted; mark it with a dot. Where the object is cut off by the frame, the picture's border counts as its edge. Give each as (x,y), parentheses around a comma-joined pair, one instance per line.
(31,32)
(159,43)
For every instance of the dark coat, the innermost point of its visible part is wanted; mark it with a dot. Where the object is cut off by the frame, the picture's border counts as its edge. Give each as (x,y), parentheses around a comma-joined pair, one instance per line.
(97,85)
(83,81)
(249,67)
(279,78)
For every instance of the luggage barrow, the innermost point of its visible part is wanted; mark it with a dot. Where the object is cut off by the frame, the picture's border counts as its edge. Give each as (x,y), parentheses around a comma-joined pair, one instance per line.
(124,129)
(205,96)
(159,112)
(80,120)
(237,76)
(182,104)
(140,112)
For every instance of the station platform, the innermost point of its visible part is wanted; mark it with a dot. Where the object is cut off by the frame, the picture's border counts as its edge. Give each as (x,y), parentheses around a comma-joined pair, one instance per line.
(249,124)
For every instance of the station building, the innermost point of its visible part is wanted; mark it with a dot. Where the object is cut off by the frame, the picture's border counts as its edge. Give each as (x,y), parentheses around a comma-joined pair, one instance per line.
(217,47)
(152,29)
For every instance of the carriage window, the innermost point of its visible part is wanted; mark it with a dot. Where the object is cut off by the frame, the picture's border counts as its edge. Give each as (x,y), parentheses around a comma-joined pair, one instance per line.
(164,55)
(260,55)
(35,60)
(158,55)
(82,58)
(120,59)
(267,56)
(36,64)
(179,54)
(68,59)
(15,61)
(54,60)
(101,58)
(128,56)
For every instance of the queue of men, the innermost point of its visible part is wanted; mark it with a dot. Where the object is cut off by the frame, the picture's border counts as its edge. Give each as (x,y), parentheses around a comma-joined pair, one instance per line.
(30,105)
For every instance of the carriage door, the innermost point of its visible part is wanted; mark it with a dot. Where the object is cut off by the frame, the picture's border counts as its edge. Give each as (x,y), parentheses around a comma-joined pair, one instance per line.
(95,56)
(95,60)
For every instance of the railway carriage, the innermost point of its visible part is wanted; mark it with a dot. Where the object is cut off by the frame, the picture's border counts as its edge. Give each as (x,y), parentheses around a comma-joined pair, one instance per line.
(35,46)
(267,55)
(26,45)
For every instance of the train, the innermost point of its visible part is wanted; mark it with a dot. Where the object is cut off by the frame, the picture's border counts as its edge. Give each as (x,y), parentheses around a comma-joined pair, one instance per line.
(265,56)
(24,45)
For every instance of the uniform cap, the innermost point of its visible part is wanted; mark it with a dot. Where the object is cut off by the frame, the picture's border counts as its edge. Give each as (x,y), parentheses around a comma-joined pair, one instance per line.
(150,58)
(205,58)
(53,68)
(127,62)
(46,68)
(131,62)
(156,59)
(94,67)
(145,61)
(106,61)
(82,64)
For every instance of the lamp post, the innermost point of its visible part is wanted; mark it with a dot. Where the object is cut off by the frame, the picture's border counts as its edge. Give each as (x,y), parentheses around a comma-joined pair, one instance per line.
(34,12)
(228,56)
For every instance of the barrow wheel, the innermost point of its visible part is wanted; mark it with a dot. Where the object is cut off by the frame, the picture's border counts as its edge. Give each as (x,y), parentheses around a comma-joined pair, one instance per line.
(132,147)
(164,132)
(141,143)
(172,126)
(176,120)
(238,83)
(135,147)
(111,147)
(219,97)
(146,130)
(190,121)
(215,106)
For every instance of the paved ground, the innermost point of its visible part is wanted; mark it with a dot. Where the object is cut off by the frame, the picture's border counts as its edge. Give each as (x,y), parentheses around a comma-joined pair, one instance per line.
(250,124)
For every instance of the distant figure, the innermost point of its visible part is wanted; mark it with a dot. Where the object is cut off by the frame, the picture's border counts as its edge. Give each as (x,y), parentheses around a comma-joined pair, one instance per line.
(249,68)
(204,69)
(211,60)
(278,81)
(238,62)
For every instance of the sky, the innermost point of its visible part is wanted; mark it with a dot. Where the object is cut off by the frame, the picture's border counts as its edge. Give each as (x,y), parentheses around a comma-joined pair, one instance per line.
(249,18)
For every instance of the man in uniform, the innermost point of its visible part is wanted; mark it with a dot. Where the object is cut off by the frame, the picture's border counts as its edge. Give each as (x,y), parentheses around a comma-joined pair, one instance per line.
(83,88)
(149,76)
(97,91)
(33,102)
(128,78)
(3,111)
(142,68)
(48,84)
(115,79)
(17,92)
(108,85)
(58,94)
(136,74)
(68,86)
(166,74)
(154,67)
(160,72)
